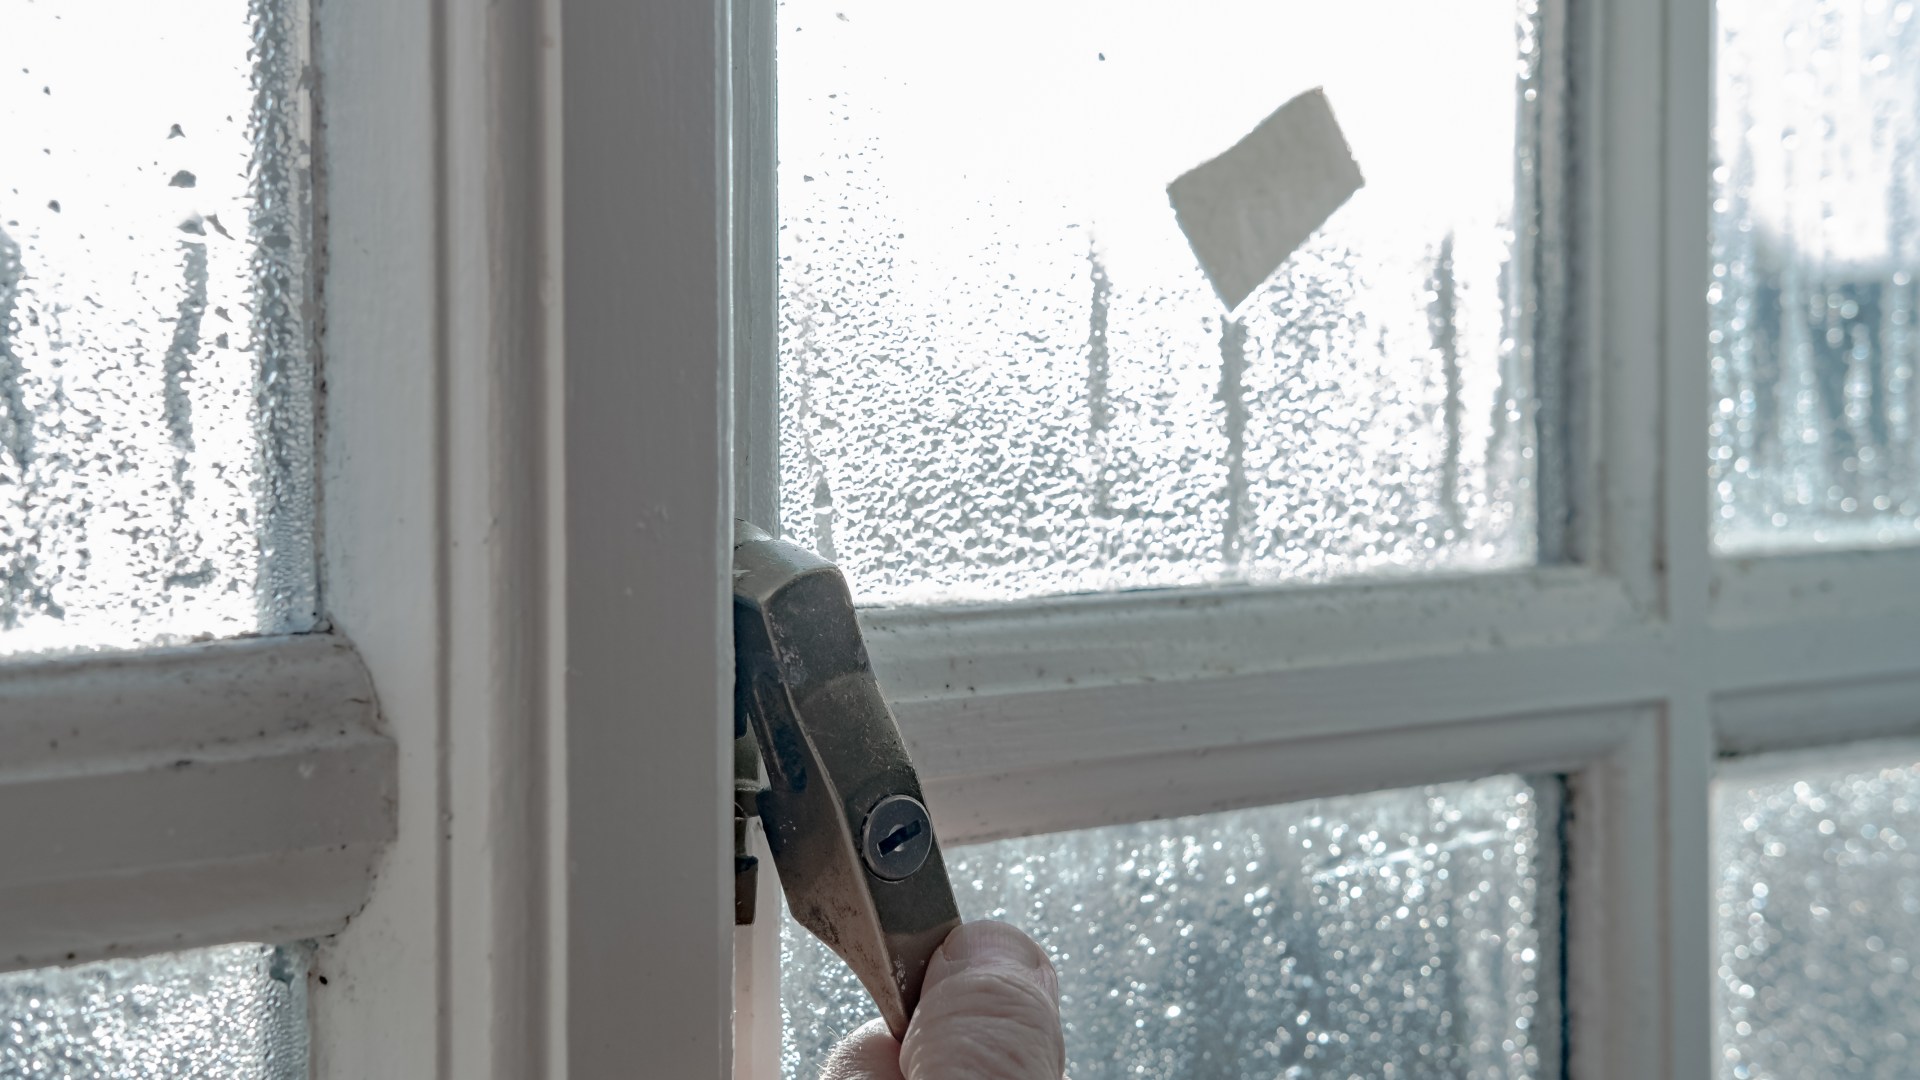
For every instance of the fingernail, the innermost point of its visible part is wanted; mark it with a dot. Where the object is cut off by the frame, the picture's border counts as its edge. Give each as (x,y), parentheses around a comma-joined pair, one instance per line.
(997,945)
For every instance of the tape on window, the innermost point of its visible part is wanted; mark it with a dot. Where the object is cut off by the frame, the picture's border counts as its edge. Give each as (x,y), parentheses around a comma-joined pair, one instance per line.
(1245,211)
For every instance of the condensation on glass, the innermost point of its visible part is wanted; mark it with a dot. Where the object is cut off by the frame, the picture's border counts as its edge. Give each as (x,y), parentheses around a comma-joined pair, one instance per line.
(156,380)
(1403,933)
(1818,909)
(1002,372)
(237,1012)
(1816,244)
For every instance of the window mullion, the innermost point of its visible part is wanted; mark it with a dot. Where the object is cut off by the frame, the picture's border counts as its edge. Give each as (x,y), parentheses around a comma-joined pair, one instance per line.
(756,297)
(187,797)
(756,459)
(1684,224)
(1685,541)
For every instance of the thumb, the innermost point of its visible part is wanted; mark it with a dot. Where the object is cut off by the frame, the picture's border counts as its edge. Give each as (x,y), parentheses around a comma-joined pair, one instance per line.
(989,1010)
(867,1054)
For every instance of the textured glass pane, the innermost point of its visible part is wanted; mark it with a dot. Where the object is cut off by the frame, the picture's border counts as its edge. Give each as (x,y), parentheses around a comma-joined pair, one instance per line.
(233,1013)
(1819,916)
(1398,934)
(156,434)
(1816,241)
(1003,373)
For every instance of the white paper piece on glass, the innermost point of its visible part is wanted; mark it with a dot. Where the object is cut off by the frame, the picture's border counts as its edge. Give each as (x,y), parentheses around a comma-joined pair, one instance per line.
(1245,211)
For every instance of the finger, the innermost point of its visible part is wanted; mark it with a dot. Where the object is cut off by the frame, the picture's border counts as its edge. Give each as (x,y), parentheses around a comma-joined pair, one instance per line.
(989,1010)
(870,1053)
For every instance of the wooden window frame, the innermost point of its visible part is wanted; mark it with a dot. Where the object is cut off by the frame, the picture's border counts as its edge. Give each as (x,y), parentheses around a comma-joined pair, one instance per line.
(543,234)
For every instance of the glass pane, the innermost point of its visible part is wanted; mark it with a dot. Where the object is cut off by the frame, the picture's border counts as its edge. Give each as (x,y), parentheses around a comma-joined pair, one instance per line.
(156,434)
(1394,934)
(1819,917)
(1002,370)
(1816,241)
(238,1012)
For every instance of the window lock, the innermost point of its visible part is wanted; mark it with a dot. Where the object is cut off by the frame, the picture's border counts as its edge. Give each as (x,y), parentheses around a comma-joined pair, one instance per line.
(849,830)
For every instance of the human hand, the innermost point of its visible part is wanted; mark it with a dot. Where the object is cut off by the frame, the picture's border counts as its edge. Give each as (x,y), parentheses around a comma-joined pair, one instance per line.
(989,1010)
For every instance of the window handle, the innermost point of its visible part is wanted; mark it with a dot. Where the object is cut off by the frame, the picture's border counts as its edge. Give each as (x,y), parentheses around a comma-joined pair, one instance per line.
(849,830)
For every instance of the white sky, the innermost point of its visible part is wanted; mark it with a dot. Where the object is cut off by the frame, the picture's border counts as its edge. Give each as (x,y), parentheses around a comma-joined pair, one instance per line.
(963,95)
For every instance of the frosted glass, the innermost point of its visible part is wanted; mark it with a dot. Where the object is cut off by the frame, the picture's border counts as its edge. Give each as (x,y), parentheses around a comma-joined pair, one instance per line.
(156,425)
(1002,372)
(1816,241)
(1819,918)
(1397,934)
(238,1012)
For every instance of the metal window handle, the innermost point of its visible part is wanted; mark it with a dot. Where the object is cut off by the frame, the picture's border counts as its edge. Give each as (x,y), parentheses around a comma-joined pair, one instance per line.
(849,830)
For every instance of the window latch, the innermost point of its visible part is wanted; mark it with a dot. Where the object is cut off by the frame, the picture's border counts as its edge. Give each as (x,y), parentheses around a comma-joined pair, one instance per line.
(851,838)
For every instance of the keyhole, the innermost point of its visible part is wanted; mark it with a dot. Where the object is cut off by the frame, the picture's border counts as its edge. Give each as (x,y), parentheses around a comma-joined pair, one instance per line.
(897,837)
(892,842)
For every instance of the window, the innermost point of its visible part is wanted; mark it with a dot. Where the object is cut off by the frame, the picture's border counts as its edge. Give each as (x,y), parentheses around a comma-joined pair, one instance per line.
(404,782)
(543,234)
(1813,294)
(1355,935)
(1003,374)
(157,398)
(1815,901)
(156,364)
(231,1012)
(1591,471)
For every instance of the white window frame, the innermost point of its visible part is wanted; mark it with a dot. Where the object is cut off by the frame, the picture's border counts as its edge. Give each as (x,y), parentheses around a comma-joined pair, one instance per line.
(495,786)
(514,851)
(1629,672)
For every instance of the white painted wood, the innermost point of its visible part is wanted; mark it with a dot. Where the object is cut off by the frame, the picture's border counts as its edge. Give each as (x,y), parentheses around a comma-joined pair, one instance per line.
(527,522)
(988,731)
(187,796)
(1175,634)
(1067,682)
(1752,591)
(487,920)
(1683,846)
(1815,618)
(1176,783)
(83,712)
(756,458)
(1567,472)
(1062,682)
(1813,650)
(382,1010)
(500,370)
(282,895)
(647,282)
(756,975)
(1792,764)
(1624,1010)
(756,229)
(1618,154)
(1797,717)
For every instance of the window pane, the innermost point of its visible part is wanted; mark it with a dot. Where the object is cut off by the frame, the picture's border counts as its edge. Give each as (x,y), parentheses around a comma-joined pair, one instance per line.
(1392,934)
(1003,372)
(238,1012)
(156,435)
(1816,241)
(1819,916)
